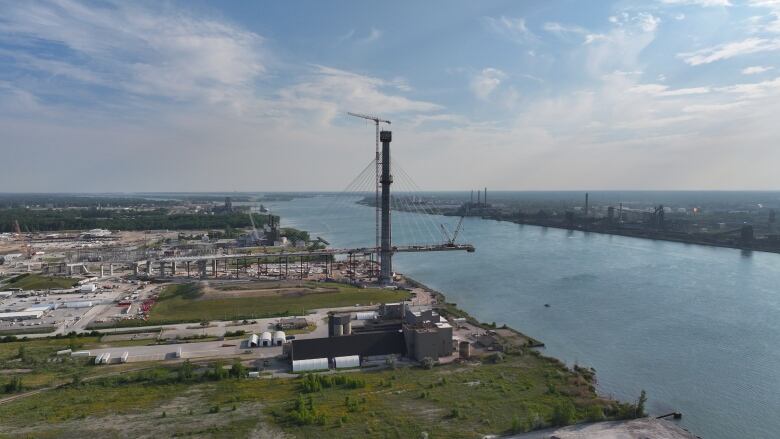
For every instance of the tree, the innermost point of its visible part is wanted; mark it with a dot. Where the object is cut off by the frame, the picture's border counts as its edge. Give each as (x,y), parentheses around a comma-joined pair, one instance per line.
(13,386)
(563,413)
(237,369)
(185,371)
(640,405)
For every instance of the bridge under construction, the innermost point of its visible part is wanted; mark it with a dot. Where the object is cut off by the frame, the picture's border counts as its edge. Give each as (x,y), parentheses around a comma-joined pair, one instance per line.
(279,263)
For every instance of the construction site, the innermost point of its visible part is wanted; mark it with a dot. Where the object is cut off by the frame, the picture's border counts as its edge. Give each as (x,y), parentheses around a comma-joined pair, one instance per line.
(113,282)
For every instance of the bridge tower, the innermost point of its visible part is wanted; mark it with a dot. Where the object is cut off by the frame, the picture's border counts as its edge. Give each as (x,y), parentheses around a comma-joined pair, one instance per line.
(386,251)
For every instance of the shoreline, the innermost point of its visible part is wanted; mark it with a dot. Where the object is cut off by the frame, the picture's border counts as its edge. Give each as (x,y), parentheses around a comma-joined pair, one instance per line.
(626,233)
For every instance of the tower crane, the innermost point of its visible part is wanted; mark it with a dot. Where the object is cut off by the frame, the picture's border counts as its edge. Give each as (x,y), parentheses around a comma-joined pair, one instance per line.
(451,239)
(378,163)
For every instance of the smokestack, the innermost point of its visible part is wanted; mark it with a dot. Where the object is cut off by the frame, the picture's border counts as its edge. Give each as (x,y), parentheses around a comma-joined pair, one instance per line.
(485,197)
(479,198)
(471,200)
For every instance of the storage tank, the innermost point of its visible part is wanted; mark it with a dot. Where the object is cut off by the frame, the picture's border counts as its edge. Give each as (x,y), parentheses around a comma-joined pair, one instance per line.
(266,339)
(347,362)
(310,364)
(279,338)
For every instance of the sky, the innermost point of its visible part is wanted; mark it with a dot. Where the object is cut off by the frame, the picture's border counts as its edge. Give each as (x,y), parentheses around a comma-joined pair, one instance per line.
(514,95)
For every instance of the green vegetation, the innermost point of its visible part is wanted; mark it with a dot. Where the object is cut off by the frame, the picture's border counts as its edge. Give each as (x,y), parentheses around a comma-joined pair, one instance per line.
(121,219)
(454,401)
(187,302)
(30,281)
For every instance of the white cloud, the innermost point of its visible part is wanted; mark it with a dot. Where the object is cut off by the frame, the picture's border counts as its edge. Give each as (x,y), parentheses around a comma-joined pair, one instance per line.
(661,90)
(705,3)
(648,22)
(512,28)
(372,36)
(328,92)
(755,70)
(146,52)
(486,81)
(730,50)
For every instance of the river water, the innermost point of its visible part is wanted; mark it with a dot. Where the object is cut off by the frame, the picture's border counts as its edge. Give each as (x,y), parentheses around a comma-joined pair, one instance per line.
(696,327)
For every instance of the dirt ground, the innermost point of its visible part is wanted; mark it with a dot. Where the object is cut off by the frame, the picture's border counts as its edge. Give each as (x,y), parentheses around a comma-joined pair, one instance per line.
(645,428)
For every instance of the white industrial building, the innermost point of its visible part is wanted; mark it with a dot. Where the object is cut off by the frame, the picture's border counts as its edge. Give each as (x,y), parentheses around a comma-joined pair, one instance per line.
(266,339)
(347,362)
(279,338)
(21,315)
(80,304)
(254,341)
(310,364)
(88,288)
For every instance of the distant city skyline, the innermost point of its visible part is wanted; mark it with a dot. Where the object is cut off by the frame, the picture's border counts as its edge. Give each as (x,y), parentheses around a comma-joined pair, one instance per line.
(251,96)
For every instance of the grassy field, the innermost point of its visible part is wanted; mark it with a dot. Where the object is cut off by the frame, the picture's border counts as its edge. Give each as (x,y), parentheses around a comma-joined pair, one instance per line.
(39,282)
(521,392)
(36,363)
(180,303)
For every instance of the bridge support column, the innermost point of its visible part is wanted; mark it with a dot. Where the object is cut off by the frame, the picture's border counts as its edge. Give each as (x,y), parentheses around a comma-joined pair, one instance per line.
(162,269)
(102,270)
(214,267)
(149,268)
(110,269)
(173,268)
(386,251)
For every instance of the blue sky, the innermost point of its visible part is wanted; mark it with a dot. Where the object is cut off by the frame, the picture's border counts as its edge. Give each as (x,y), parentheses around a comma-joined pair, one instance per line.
(200,95)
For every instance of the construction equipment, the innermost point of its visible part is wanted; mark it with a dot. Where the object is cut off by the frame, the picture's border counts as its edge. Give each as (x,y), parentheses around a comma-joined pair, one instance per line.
(450,239)
(378,164)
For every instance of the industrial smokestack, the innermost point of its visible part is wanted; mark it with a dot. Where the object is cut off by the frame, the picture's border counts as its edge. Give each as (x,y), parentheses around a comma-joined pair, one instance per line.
(485,197)
(479,198)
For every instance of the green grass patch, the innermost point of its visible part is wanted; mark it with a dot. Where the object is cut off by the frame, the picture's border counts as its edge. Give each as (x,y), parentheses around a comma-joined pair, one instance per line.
(522,392)
(187,303)
(31,281)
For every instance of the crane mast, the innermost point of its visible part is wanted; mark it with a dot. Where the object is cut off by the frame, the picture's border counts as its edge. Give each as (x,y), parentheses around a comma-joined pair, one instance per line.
(378,170)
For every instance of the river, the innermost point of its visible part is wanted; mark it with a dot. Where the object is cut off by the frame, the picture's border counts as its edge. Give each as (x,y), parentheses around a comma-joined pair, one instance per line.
(696,327)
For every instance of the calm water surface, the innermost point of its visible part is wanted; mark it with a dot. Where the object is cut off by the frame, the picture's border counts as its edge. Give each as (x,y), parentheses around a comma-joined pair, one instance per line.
(696,327)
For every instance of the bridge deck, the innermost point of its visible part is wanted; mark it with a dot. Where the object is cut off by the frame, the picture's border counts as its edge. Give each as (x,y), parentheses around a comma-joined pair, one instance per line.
(324,252)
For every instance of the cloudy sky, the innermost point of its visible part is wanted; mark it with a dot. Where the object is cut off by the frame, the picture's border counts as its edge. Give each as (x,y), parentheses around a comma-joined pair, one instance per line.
(251,96)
